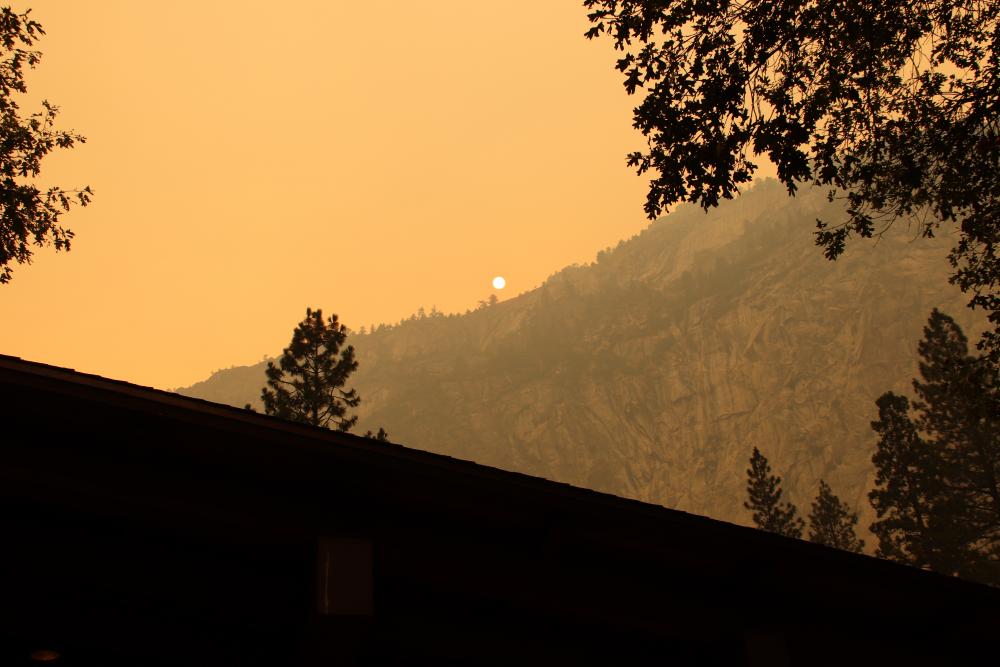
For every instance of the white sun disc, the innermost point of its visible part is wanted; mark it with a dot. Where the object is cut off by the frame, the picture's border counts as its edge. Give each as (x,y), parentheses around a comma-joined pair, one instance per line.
(499,282)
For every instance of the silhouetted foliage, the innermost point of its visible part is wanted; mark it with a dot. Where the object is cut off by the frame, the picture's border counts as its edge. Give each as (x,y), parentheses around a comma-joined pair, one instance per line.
(959,410)
(28,216)
(381,436)
(909,493)
(891,102)
(764,500)
(831,522)
(936,492)
(491,301)
(307,384)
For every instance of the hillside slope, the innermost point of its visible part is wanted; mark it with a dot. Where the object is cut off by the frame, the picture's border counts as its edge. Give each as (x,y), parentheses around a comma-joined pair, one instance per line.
(653,372)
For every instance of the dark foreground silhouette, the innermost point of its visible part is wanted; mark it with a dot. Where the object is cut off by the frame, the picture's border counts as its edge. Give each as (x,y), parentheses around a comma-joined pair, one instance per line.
(146,528)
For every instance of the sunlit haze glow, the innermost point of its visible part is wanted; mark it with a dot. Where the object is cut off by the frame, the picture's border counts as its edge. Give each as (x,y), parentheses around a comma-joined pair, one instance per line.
(364,158)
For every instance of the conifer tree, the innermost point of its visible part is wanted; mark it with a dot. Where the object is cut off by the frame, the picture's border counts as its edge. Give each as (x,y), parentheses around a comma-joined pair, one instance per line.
(958,409)
(909,498)
(937,495)
(307,384)
(832,523)
(381,436)
(764,500)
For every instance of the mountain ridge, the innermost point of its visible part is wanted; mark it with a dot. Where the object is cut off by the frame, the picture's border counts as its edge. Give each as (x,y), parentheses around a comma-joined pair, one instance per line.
(653,372)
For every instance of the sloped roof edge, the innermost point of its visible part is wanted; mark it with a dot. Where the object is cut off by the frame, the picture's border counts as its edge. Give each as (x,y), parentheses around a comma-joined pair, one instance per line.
(54,377)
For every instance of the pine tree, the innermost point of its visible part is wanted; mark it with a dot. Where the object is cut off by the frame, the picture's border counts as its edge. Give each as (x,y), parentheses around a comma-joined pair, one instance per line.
(764,500)
(910,498)
(958,410)
(307,384)
(381,436)
(937,494)
(832,523)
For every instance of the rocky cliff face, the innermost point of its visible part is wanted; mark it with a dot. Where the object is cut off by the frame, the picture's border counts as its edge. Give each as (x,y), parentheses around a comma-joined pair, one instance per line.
(653,372)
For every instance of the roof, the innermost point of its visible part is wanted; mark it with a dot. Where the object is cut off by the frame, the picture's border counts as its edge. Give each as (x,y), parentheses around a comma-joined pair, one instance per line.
(531,492)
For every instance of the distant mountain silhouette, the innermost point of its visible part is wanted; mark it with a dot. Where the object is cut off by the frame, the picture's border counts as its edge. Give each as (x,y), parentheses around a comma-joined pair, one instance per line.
(653,372)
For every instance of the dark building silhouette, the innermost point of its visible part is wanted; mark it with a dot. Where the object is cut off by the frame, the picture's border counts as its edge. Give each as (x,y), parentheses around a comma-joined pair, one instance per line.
(146,528)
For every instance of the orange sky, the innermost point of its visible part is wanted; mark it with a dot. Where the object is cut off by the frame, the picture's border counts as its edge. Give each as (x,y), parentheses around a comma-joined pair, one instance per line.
(367,158)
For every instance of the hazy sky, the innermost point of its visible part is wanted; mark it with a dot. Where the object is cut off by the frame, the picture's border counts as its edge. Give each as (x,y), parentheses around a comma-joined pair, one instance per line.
(367,158)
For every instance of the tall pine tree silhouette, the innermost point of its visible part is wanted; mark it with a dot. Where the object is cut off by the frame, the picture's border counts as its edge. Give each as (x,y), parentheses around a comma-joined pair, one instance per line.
(307,384)
(937,496)
(832,523)
(958,409)
(764,500)
(908,492)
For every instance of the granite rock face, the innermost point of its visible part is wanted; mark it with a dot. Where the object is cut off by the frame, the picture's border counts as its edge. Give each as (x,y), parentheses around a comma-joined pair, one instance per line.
(653,372)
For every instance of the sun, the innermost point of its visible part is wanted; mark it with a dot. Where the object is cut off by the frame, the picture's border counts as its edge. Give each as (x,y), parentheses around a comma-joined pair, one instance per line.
(499,282)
